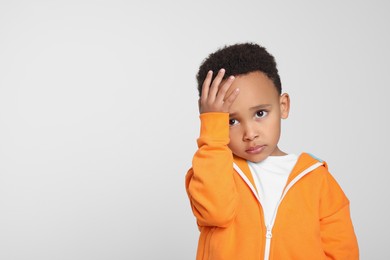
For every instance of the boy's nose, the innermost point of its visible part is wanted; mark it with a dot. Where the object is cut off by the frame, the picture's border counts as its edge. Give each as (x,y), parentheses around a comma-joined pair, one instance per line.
(250,133)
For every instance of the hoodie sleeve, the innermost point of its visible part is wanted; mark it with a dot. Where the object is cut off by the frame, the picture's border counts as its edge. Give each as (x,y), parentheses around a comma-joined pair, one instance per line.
(337,232)
(209,183)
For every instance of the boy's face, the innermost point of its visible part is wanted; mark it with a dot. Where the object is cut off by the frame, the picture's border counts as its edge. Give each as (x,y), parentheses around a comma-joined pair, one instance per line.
(255,117)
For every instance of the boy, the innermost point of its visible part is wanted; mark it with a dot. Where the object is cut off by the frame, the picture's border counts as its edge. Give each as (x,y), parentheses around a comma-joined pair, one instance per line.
(252,200)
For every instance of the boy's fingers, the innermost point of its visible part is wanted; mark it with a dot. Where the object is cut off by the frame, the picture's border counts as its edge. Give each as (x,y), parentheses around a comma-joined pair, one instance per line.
(230,99)
(206,85)
(215,85)
(221,96)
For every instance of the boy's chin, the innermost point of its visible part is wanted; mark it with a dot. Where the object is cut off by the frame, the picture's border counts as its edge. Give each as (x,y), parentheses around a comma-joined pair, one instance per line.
(255,158)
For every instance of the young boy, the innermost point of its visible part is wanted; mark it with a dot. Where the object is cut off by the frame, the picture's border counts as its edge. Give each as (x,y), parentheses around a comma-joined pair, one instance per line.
(252,200)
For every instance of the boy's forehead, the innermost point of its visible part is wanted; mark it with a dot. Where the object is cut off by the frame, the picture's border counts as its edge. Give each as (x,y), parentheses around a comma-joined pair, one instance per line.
(254,84)
(257,91)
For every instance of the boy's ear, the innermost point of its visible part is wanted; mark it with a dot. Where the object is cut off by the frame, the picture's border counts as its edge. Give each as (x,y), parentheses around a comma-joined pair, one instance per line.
(284,105)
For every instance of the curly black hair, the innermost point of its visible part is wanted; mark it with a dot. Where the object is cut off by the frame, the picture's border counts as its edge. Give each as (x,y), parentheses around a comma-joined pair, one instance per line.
(240,59)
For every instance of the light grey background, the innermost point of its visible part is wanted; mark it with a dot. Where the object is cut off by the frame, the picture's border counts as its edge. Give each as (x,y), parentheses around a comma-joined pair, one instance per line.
(98,116)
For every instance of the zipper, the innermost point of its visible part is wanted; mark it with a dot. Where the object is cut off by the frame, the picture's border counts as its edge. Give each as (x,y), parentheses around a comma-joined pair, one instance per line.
(269,227)
(268,236)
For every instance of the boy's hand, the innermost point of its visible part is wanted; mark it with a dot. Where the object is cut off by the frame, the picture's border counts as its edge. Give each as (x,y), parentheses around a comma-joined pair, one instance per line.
(213,98)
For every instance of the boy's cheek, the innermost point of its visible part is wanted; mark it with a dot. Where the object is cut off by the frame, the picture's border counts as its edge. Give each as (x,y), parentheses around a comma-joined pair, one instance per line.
(232,147)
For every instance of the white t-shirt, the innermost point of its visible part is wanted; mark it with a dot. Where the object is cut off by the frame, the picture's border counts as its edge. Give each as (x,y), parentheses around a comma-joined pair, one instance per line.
(270,177)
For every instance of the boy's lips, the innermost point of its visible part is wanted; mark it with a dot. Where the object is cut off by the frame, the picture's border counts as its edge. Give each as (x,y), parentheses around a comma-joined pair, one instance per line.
(255,149)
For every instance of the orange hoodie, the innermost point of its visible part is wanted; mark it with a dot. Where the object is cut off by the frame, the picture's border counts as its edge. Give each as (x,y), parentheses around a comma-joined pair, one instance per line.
(312,220)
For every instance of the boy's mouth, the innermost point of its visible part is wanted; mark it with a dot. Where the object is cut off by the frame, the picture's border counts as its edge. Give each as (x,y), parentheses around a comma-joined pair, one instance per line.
(255,149)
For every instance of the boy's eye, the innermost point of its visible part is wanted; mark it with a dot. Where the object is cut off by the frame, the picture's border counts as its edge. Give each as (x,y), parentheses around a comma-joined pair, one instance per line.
(233,122)
(261,113)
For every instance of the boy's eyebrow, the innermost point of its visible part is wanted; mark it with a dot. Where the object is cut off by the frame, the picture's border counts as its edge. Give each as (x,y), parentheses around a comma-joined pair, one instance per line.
(254,108)
(260,107)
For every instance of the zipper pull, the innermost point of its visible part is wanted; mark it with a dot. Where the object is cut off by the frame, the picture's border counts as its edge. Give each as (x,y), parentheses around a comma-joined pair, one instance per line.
(268,235)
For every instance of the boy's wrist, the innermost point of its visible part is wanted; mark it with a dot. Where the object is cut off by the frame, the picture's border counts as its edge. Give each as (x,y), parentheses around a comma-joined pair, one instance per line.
(215,126)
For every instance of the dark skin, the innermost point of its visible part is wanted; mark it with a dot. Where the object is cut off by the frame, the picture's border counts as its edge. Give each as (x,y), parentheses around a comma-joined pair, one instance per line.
(214,96)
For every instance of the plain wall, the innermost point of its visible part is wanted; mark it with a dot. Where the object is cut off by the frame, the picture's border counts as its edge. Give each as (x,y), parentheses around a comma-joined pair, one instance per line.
(99,118)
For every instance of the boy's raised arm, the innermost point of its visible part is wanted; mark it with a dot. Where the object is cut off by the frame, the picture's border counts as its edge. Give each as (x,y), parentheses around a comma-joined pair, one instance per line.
(210,183)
